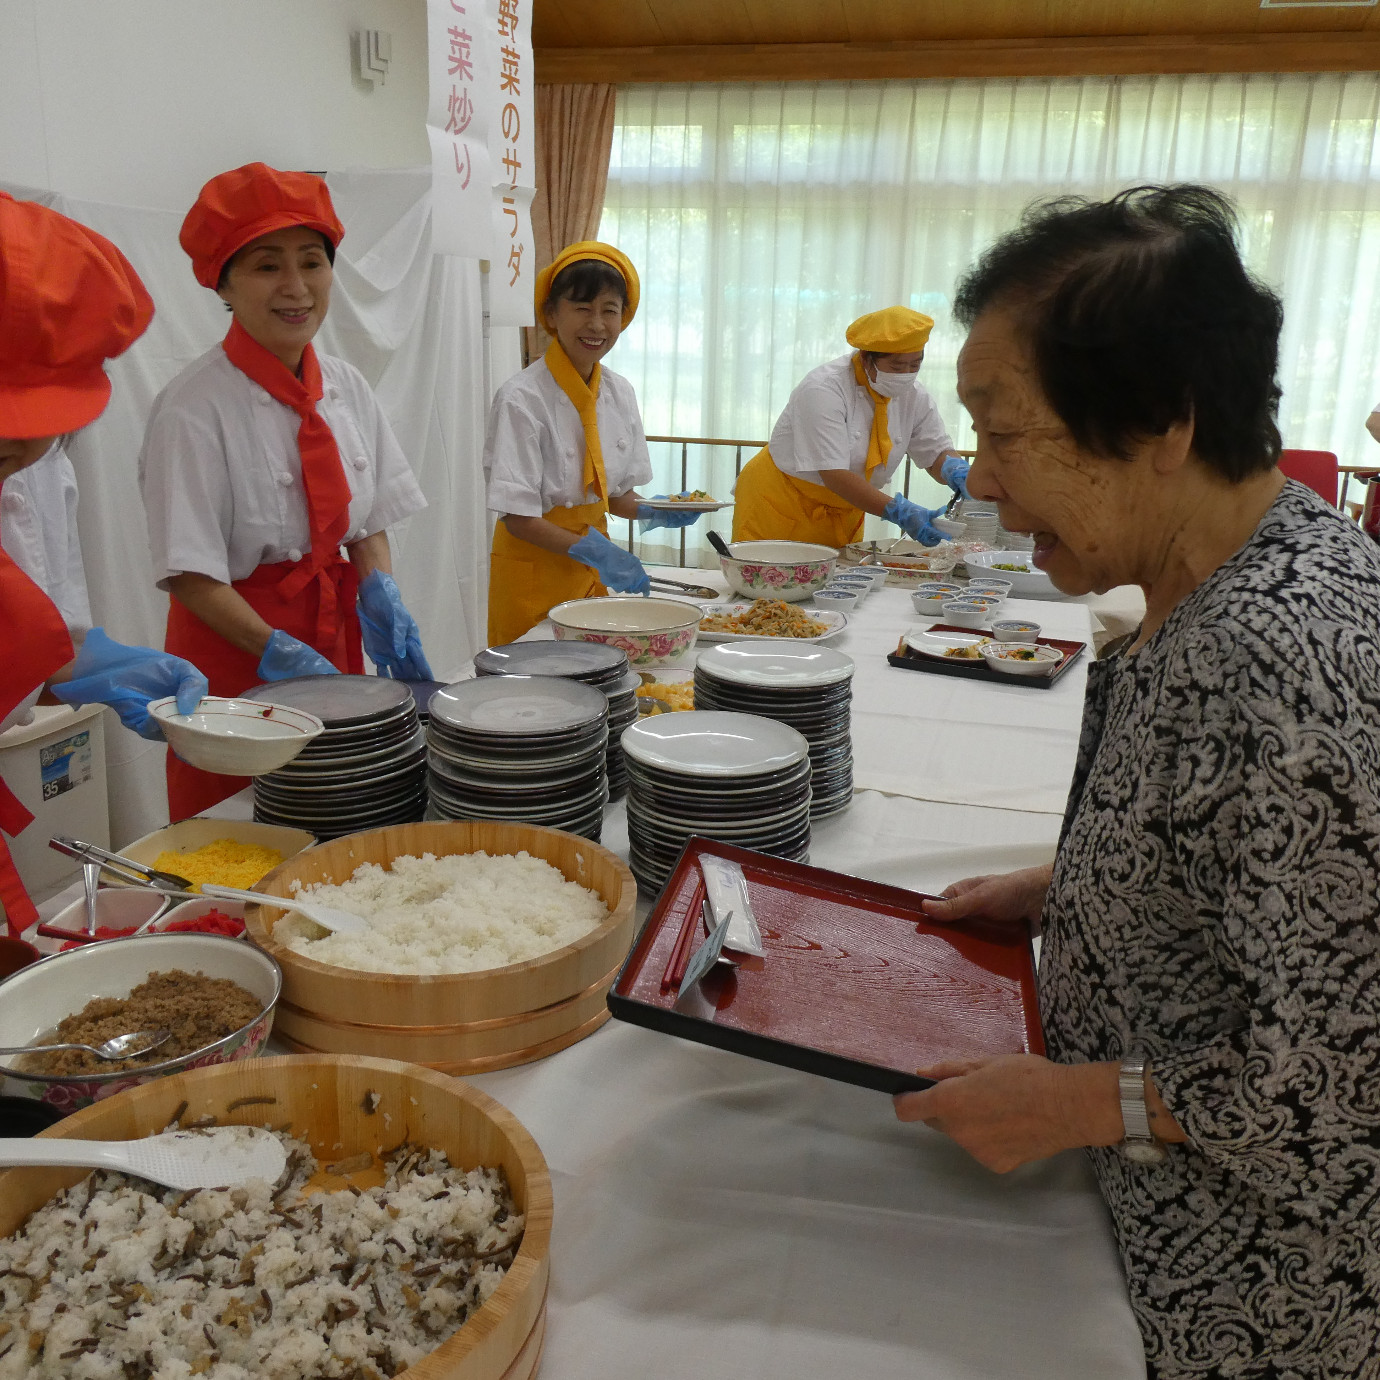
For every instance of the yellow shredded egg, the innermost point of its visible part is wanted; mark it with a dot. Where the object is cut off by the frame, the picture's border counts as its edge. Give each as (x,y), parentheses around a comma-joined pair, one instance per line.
(223,862)
(678,694)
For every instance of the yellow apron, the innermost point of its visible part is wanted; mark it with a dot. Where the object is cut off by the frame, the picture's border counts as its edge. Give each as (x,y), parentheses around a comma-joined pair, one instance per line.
(769,504)
(525,581)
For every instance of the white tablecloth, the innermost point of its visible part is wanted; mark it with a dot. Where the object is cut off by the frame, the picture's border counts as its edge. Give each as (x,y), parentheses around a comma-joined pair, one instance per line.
(720,1217)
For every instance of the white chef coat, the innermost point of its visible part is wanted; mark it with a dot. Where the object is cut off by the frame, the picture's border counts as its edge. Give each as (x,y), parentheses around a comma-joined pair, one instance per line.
(221,474)
(38,531)
(534,445)
(827,424)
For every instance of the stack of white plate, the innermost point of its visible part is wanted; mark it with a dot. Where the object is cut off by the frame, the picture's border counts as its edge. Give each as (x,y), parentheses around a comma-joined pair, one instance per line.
(527,749)
(732,777)
(591,663)
(804,685)
(367,770)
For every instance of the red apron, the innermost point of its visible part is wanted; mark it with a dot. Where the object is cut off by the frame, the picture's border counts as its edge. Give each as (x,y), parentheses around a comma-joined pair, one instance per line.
(42,646)
(322,614)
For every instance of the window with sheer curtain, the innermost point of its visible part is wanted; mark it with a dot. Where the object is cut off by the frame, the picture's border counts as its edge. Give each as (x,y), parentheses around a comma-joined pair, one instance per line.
(764,218)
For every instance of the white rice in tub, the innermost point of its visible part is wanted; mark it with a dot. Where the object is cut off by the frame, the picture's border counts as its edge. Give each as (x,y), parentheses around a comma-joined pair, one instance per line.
(455,914)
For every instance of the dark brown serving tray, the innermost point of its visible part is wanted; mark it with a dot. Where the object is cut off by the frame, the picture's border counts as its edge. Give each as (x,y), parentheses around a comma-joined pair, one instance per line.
(856,983)
(910,660)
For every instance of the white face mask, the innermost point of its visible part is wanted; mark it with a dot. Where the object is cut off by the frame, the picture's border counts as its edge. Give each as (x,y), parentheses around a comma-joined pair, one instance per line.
(893,385)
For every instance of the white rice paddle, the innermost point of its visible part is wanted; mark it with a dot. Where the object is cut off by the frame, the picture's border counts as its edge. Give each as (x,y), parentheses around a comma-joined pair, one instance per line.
(328,917)
(216,1158)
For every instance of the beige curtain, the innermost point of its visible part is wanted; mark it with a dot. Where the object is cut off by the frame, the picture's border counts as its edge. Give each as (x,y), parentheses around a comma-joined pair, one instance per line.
(574,134)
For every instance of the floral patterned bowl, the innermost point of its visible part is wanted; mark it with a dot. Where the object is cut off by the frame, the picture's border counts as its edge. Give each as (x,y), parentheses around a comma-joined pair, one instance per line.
(35,999)
(653,632)
(789,570)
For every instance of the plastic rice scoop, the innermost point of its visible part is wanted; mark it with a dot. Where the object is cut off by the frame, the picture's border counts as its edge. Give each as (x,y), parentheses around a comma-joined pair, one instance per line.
(328,917)
(218,1158)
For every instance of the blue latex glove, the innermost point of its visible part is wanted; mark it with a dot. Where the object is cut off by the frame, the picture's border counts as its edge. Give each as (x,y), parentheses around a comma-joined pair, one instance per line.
(619,569)
(658,517)
(391,635)
(954,472)
(128,679)
(286,657)
(914,521)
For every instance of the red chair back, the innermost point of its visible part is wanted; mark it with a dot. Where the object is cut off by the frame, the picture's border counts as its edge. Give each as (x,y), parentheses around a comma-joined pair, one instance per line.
(1316,468)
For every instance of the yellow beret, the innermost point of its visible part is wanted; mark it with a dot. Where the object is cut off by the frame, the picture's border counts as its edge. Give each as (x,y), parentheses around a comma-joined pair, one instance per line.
(891,331)
(601,253)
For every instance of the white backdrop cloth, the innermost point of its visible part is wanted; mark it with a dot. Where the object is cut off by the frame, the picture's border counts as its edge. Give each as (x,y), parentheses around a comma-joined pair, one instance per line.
(410,322)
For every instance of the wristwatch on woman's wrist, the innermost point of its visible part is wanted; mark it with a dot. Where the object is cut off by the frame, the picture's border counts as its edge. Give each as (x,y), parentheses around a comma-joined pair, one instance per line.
(1138,1145)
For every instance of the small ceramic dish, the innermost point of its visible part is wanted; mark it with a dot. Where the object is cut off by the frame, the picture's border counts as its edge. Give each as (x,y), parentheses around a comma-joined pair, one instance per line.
(1015,630)
(236,737)
(876,573)
(1021,658)
(966,613)
(117,908)
(840,600)
(862,583)
(930,599)
(981,582)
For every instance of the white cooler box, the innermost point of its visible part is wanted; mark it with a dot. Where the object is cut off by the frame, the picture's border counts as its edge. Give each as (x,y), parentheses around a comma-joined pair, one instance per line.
(56,766)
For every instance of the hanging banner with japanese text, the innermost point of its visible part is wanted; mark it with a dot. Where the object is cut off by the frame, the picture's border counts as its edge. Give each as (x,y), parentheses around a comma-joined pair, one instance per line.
(512,270)
(462,59)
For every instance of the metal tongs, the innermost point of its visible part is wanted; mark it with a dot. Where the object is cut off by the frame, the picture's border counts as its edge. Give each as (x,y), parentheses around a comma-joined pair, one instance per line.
(121,868)
(695,591)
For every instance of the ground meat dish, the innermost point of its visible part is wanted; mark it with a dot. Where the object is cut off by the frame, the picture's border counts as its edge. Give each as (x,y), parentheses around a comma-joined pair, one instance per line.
(197,1009)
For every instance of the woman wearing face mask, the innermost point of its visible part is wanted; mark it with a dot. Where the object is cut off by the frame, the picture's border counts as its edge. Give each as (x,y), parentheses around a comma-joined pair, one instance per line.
(840,438)
(565,448)
(263,459)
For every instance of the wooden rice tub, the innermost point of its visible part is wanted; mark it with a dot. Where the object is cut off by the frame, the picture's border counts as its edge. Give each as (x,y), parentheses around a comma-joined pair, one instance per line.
(323,1096)
(455,1022)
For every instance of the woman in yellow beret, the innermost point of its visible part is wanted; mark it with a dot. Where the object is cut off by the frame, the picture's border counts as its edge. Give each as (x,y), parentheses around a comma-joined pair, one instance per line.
(840,438)
(564,448)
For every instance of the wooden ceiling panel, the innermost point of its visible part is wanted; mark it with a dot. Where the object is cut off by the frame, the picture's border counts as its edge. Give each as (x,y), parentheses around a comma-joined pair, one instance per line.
(654,23)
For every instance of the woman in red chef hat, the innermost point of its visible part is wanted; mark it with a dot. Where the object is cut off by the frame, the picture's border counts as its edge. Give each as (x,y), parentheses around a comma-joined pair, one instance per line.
(69,301)
(264,458)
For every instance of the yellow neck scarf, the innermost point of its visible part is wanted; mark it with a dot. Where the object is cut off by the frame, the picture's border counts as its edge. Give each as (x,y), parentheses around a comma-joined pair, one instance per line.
(584,397)
(879,442)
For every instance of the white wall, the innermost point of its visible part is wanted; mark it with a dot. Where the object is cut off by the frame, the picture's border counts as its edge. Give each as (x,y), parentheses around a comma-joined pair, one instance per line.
(138,102)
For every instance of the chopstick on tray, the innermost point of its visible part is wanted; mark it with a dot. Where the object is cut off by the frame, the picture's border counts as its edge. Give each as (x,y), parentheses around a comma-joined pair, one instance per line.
(681,949)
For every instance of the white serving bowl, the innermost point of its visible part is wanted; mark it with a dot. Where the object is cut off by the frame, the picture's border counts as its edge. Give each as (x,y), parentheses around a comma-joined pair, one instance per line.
(187,835)
(1026,583)
(236,737)
(653,632)
(38,997)
(117,908)
(966,613)
(789,570)
(1009,658)
(1016,630)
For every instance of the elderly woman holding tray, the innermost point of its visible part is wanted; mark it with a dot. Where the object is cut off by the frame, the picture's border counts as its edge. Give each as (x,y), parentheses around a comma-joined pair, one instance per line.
(1210,973)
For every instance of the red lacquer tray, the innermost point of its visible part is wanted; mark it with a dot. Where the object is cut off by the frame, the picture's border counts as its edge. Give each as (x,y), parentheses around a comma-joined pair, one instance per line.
(909,659)
(856,983)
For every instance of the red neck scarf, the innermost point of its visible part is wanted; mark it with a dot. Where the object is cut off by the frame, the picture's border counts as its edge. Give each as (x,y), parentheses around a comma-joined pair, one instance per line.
(323,475)
(41,647)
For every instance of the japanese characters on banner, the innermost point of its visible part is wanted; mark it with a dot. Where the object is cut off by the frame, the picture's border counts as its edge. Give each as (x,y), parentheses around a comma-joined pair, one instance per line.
(480,126)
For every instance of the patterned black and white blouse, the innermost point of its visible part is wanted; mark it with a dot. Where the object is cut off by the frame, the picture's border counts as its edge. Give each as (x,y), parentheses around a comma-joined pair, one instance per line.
(1216,904)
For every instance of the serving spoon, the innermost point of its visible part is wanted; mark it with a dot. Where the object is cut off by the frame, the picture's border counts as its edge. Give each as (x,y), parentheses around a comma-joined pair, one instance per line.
(117,1047)
(220,1157)
(328,917)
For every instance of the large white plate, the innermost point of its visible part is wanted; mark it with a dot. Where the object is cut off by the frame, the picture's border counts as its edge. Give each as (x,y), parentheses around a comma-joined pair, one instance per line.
(665,505)
(936,644)
(777,663)
(835,624)
(1025,584)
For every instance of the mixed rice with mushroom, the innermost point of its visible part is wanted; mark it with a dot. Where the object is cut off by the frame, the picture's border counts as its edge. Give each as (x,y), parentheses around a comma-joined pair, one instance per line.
(115,1279)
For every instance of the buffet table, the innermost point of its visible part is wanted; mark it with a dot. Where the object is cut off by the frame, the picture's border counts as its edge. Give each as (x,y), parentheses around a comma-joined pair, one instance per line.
(717,1216)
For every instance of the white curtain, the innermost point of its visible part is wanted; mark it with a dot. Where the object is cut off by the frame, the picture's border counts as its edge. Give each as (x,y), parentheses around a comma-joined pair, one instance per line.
(409,321)
(764,218)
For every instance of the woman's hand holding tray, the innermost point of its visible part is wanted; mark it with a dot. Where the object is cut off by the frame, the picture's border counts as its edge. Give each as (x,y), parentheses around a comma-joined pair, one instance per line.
(856,984)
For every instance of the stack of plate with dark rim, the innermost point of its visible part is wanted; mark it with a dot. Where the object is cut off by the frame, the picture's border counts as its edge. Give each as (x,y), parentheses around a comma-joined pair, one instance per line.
(804,685)
(737,778)
(528,749)
(591,663)
(367,770)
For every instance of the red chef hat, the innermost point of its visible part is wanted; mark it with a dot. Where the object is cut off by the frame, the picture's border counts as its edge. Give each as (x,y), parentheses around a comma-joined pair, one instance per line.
(69,301)
(240,205)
